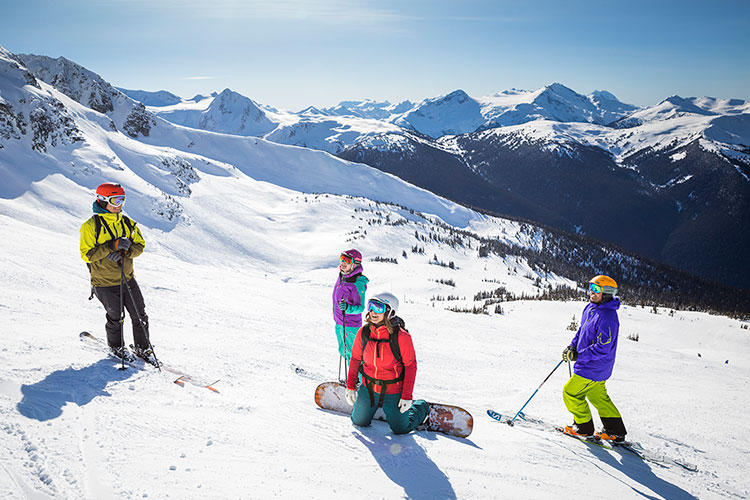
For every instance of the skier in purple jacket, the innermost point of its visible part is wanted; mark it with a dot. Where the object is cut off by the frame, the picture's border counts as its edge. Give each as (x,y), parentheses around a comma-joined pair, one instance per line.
(349,301)
(593,349)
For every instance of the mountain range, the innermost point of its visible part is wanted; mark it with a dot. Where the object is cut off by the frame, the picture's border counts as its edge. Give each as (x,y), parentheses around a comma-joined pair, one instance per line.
(670,182)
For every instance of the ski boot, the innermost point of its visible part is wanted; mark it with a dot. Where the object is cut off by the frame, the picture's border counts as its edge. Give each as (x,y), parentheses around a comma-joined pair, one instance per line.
(121,353)
(581,431)
(612,438)
(146,354)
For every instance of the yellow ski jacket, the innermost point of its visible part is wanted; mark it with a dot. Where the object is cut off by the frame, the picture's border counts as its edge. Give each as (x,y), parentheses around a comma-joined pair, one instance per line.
(96,245)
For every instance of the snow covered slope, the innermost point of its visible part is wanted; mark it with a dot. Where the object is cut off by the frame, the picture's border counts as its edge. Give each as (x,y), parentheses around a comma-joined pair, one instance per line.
(239,291)
(237,275)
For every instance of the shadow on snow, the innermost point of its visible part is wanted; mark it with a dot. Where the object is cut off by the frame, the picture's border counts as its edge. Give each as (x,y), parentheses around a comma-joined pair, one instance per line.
(45,399)
(406,464)
(641,472)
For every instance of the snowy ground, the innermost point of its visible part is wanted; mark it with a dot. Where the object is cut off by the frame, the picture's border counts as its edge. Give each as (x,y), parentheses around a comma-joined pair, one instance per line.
(73,426)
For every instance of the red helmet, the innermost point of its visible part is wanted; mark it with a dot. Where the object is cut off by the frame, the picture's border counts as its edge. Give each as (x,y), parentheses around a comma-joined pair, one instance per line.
(110,193)
(109,189)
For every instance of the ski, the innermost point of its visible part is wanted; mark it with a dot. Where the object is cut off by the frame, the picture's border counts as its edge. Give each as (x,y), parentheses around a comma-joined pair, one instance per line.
(628,446)
(633,448)
(137,363)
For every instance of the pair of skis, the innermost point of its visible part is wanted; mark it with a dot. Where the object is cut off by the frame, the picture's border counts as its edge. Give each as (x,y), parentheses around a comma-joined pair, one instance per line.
(182,377)
(628,446)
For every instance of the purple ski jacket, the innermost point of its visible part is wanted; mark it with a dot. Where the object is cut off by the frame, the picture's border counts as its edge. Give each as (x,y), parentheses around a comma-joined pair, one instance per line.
(350,288)
(596,340)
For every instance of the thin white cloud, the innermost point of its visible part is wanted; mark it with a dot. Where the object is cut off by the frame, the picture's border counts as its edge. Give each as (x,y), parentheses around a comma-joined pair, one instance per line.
(199,78)
(351,13)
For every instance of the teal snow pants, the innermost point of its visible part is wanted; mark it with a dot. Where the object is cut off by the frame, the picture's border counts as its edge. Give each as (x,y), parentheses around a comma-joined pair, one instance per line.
(401,423)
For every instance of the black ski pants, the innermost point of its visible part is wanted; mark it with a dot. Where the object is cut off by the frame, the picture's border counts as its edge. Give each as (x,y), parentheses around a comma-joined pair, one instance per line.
(109,296)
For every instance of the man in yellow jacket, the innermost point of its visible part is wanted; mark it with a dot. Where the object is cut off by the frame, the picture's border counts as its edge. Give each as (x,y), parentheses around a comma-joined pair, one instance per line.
(109,241)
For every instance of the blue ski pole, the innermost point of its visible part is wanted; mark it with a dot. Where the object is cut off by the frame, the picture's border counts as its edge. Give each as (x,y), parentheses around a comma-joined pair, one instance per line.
(510,422)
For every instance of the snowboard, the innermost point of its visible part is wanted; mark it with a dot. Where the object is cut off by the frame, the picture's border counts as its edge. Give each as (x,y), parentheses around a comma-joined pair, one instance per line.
(447,419)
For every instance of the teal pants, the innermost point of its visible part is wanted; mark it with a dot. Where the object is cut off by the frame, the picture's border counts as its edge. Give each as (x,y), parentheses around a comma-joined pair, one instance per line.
(401,423)
(345,349)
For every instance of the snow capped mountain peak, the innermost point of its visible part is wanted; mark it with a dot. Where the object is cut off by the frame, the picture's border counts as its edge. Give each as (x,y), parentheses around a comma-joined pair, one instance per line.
(451,114)
(458,96)
(227,112)
(368,108)
(672,107)
(561,89)
(682,105)
(73,80)
(312,110)
(159,98)
(603,95)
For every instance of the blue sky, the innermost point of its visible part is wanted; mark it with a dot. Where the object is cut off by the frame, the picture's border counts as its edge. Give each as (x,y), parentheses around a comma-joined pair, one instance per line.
(291,54)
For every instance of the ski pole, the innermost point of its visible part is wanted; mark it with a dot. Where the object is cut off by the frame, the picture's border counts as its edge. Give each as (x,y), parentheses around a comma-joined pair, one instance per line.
(510,422)
(343,335)
(144,327)
(122,315)
(570,372)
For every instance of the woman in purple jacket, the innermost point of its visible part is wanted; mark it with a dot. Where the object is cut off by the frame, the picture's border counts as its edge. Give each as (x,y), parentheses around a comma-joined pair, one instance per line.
(349,300)
(593,349)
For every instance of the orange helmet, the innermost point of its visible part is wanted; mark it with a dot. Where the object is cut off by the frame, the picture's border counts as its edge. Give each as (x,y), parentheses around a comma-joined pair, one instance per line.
(109,189)
(110,193)
(605,283)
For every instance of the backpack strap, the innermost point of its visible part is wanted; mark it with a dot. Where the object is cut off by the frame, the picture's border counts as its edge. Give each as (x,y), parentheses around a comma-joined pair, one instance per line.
(97,228)
(128,222)
(106,226)
(371,382)
(125,221)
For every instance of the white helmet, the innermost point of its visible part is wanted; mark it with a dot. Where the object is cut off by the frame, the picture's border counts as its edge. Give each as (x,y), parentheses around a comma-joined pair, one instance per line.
(388,299)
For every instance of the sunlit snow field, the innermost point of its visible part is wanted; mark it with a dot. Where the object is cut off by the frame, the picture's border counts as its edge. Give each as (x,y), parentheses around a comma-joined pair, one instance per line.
(239,290)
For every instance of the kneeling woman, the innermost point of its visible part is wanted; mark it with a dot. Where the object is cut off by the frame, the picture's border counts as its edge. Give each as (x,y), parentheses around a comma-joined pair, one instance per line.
(384,354)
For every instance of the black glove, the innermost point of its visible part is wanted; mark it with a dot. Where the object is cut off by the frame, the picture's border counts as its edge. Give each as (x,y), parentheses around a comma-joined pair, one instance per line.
(114,256)
(342,305)
(570,354)
(121,244)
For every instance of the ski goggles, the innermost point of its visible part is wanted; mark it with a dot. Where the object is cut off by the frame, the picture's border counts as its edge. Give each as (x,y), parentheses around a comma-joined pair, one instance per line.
(346,259)
(602,289)
(376,306)
(117,200)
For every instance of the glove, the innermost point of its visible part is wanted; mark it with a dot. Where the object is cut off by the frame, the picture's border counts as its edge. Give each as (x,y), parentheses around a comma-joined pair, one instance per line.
(342,305)
(570,354)
(121,244)
(351,396)
(114,256)
(404,404)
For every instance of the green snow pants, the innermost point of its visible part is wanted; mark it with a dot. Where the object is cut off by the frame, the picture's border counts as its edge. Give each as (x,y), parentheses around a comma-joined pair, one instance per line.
(575,392)
(401,423)
(351,333)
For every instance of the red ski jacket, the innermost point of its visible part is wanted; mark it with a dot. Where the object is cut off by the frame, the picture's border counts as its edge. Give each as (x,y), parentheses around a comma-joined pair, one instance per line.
(379,363)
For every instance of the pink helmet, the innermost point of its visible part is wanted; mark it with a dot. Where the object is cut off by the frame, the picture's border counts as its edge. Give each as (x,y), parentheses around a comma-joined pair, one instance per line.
(353,254)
